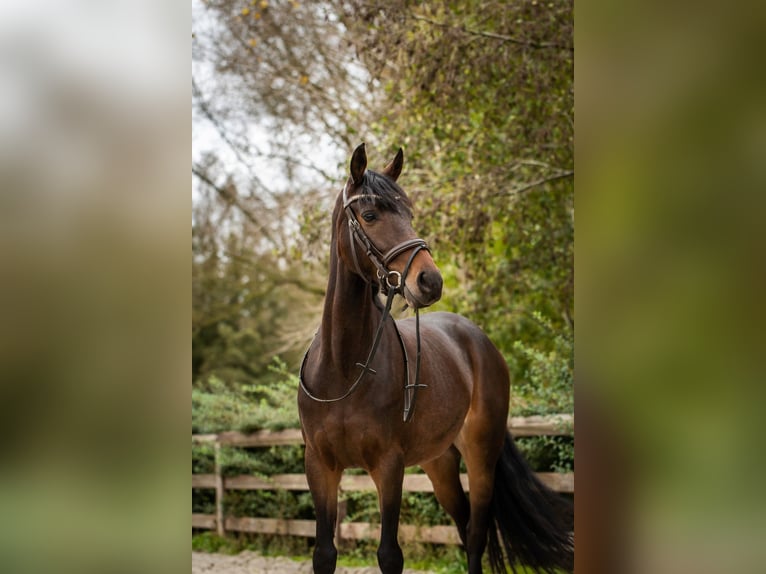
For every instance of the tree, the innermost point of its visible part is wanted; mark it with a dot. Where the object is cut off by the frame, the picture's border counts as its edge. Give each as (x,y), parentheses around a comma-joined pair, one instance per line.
(243,293)
(480,94)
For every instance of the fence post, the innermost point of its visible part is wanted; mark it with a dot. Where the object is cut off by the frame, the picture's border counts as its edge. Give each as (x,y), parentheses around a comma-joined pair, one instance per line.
(219,524)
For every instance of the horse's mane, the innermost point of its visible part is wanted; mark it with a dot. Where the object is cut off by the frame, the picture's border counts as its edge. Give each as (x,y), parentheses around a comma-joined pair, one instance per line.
(384,192)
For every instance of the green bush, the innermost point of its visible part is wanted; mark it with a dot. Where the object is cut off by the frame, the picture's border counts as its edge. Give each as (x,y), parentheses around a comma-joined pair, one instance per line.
(262,461)
(548,453)
(203,501)
(548,387)
(203,458)
(211,542)
(270,405)
(264,544)
(269,503)
(418,508)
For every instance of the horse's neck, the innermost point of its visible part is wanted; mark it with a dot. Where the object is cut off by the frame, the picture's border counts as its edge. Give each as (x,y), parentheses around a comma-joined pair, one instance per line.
(349,320)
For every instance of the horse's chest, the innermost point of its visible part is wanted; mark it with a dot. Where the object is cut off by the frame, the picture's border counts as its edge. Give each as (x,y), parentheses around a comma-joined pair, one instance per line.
(351,445)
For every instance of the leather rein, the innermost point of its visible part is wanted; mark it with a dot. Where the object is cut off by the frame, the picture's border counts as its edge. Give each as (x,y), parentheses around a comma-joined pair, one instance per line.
(392,282)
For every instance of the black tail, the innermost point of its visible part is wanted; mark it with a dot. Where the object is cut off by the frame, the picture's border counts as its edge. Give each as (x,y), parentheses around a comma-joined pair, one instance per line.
(535,523)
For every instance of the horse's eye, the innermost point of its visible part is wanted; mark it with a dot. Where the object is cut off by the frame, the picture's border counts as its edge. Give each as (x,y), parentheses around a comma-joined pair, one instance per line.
(369,216)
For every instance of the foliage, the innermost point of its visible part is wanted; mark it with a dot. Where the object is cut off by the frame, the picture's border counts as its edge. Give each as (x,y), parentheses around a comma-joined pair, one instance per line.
(203,458)
(437,558)
(548,453)
(299,76)
(273,503)
(417,508)
(248,407)
(264,544)
(244,296)
(547,389)
(440,559)
(549,376)
(203,501)
(262,461)
(211,542)
(481,96)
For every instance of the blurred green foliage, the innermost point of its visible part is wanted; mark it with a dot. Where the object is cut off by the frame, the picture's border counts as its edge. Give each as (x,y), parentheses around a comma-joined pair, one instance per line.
(269,405)
(480,95)
(549,377)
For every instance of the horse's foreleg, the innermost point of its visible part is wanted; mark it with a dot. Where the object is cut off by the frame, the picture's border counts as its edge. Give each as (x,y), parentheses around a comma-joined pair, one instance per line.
(388,476)
(323,483)
(444,473)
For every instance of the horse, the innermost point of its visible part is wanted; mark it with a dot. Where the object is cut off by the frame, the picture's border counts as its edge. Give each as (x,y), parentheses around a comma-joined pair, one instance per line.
(358,414)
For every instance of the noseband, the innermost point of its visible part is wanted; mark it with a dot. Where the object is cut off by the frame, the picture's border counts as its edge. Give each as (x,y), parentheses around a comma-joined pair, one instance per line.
(380,260)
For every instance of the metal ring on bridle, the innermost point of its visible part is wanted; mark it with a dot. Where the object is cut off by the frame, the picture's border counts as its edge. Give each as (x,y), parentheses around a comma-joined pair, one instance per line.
(398,285)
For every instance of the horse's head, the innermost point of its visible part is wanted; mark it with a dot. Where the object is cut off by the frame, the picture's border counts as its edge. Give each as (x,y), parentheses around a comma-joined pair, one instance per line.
(380,244)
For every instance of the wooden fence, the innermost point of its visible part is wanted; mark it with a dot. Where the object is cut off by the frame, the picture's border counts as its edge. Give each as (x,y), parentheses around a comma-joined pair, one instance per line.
(519,426)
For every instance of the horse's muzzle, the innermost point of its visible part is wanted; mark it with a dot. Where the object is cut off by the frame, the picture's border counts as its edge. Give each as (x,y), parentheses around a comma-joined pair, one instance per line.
(427,289)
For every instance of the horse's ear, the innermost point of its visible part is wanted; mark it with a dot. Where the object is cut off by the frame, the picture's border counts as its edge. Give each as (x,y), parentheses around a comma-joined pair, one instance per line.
(394,168)
(358,164)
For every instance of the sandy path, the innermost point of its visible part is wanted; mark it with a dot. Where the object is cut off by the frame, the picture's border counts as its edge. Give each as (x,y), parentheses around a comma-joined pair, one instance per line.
(251,563)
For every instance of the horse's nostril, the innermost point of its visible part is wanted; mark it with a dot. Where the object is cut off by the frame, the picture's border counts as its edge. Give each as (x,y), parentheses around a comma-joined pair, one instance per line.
(429,282)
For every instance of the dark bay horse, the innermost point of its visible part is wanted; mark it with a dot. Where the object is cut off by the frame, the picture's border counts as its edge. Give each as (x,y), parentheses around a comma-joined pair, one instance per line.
(356,413)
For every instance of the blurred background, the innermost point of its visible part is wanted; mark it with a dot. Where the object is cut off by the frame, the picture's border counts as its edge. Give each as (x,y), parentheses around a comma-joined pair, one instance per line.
(95,208)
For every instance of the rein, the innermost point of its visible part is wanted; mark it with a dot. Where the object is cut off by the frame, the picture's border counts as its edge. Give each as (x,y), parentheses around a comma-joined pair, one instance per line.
(385,275)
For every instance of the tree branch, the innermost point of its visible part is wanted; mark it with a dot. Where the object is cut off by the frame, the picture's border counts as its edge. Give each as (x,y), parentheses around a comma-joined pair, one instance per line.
(230,197)
(532,185)
(494,36)
(218,125)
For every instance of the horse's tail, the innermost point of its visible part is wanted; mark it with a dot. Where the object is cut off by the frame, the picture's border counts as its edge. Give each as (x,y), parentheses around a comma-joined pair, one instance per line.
(535,523)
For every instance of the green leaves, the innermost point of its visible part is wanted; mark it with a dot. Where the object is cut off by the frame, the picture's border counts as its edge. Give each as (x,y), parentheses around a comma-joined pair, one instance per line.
(548,374)
(487,118)
(267,405)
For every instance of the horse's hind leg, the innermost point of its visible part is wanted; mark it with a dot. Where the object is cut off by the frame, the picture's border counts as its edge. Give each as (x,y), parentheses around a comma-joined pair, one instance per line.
(323,483)
(481,446)
(388,476)
(444,473)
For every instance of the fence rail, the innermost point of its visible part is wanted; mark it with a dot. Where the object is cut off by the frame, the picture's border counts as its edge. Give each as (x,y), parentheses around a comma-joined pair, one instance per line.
(556,425)
(553,425)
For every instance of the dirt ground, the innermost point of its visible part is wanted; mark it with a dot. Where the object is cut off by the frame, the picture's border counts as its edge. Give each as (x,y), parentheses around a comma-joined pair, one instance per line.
(252,563)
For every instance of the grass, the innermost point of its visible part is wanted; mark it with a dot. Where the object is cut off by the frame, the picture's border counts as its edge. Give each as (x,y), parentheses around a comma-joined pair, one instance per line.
(431,557)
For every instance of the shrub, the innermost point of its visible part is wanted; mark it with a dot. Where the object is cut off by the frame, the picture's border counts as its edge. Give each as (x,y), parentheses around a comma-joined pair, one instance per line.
(549,376)
(269,405)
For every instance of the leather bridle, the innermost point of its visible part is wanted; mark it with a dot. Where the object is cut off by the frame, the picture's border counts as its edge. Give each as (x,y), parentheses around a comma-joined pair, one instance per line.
(381,261)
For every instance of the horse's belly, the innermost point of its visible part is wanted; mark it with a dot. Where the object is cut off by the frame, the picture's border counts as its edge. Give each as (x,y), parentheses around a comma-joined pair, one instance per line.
(431,431)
